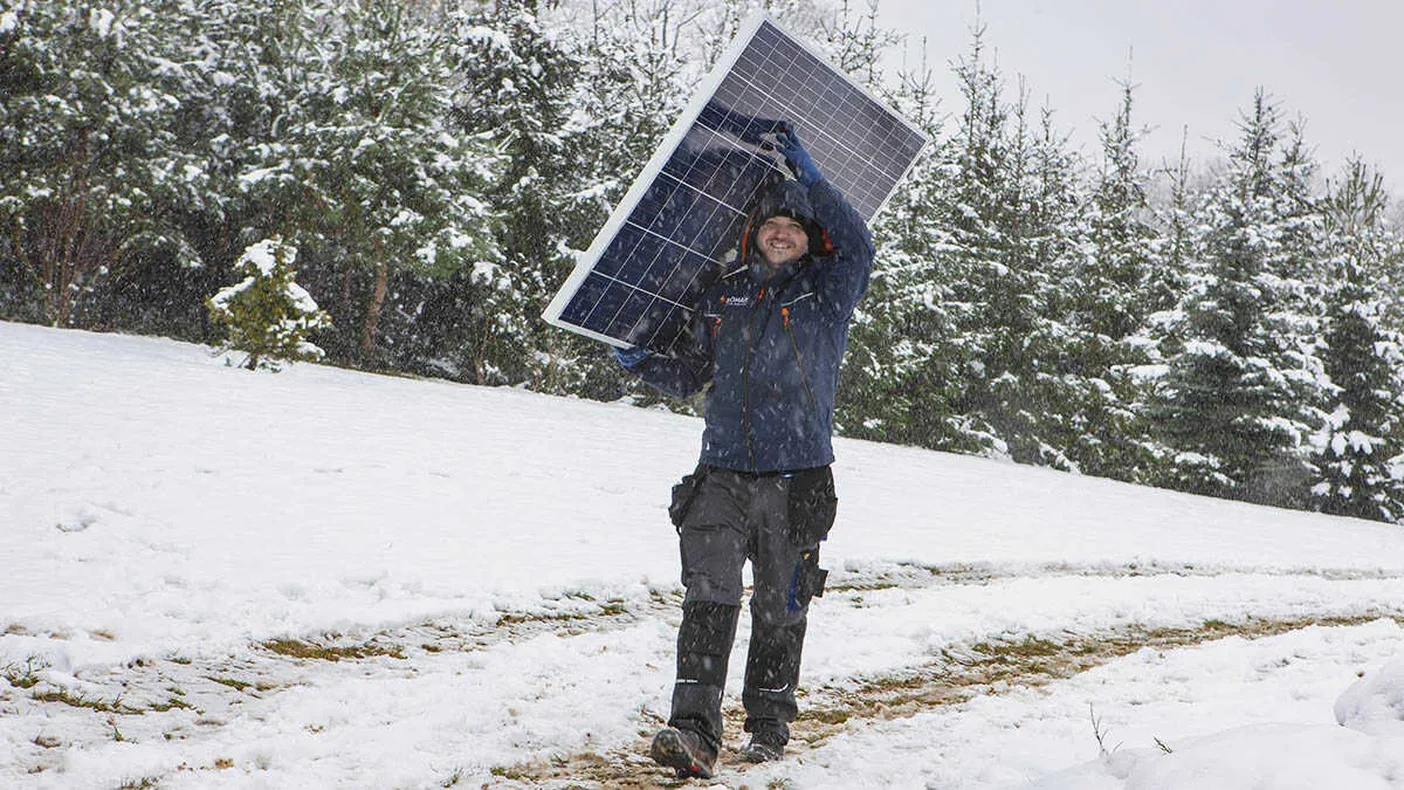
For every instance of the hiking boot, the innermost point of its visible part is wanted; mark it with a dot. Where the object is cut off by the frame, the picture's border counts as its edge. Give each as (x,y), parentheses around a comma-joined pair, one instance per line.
(684,751)
(764,747)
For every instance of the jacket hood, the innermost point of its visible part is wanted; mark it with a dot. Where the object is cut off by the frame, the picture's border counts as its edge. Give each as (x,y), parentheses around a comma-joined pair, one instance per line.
(787,199)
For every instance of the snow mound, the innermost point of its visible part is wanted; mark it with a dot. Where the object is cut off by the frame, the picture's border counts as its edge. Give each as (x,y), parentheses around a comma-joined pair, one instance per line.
(1375,704)
(1260,756)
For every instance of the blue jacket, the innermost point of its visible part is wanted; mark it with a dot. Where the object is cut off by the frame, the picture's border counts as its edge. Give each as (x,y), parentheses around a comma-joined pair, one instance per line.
(770,347)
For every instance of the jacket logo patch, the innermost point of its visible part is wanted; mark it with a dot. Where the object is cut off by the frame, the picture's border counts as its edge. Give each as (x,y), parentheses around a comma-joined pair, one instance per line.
(736,301)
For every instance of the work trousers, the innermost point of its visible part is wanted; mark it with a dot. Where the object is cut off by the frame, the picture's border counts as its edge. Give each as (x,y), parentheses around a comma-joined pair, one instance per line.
(736,517)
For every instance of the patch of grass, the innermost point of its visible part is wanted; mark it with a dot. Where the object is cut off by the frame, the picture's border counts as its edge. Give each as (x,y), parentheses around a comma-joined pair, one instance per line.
(1030,647)
(304,649)
(114,706)
(1032,661)
(26,675)
(860,586)
(174,703)
(237,685)
(608,609)
(830,716)
(69,698)
(512,773)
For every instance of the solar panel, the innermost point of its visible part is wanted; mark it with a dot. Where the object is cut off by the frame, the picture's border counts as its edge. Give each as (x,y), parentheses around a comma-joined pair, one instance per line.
(682,218)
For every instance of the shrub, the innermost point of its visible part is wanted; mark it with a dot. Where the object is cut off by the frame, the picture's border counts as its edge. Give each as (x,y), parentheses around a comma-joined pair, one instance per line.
(268,316)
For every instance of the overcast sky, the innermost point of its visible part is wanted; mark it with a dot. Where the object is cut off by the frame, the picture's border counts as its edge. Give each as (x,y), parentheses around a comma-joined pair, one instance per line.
(1335,63)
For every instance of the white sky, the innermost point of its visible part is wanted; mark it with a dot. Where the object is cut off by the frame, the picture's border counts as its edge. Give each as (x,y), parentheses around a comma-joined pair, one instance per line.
(1197,62)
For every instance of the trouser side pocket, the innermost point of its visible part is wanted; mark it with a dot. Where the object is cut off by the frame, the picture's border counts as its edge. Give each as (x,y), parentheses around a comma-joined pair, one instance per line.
(812,506)
(684,494)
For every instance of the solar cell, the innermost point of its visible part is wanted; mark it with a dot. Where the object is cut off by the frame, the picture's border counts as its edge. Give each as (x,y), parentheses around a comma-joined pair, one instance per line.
(682,218)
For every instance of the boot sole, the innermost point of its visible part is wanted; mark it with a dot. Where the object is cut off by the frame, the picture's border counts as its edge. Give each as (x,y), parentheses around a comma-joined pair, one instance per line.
(761,754)
(669,751)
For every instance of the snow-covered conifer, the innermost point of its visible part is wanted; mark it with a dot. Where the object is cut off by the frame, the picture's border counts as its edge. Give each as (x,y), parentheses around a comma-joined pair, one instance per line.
(1106,297)
(90,98)
(1010,183)
(1358,452)
(1230,410)
(267,315)
(901,380)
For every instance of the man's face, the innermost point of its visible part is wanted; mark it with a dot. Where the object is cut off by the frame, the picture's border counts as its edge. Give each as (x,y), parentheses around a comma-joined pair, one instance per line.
(782,240)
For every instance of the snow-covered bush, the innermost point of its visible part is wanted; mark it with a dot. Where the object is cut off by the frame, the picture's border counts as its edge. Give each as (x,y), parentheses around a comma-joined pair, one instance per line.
(267,314)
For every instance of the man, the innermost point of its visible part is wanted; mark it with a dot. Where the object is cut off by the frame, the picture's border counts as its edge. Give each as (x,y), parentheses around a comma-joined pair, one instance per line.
(766,340)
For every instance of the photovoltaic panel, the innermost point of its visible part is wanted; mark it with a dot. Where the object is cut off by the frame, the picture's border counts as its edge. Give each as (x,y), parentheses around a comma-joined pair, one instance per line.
(683,217)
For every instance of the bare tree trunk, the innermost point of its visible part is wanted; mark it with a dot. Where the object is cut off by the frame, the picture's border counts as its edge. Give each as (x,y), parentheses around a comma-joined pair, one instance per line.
(66,248)
(370,329)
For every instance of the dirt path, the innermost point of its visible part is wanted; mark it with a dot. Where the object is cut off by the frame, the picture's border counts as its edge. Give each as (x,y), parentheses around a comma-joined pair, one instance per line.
(176,698)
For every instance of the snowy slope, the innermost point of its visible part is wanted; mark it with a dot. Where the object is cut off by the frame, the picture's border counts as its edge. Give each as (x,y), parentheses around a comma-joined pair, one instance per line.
(322,578)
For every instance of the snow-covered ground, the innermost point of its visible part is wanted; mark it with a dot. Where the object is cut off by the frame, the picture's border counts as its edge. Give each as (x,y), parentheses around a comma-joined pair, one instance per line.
(317,578)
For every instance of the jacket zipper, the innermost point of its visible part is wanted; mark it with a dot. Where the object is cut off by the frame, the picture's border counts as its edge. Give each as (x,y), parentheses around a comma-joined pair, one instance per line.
(746,365)
(799,361)
(746,380)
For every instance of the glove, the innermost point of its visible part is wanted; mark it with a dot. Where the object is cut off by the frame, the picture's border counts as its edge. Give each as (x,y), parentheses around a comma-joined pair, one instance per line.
(799,160)
(631,356)
(751,129)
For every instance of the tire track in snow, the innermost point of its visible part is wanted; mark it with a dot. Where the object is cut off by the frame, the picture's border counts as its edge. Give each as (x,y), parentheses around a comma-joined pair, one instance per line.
(177,699)
(960,675)
(880,575)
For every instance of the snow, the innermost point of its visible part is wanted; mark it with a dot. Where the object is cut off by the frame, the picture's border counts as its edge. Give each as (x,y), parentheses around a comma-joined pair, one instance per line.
(101,20)
(498,568)
(1375,704)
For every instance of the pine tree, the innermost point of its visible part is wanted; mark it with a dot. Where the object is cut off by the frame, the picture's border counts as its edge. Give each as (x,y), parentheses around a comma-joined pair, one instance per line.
(1360,450)
(362,165)
(1108,296)
(86,136)
(983,297)
(517,90)
(268,315)
(899,378)
(1051,395)
(1009,194)
(1228,409)
(219,57)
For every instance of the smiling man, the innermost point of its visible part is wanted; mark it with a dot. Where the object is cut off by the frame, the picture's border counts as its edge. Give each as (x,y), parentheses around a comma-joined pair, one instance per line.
(765,342)
(782,240)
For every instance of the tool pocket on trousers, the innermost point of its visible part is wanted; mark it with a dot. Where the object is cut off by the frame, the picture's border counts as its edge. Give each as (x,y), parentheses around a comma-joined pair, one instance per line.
(813,504)
(809,580)
(684,494)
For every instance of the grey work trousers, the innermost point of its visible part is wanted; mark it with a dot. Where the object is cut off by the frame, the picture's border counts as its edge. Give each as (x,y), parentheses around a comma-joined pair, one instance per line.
(734,518)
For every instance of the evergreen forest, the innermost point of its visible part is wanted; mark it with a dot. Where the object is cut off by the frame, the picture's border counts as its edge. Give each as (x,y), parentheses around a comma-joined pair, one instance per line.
(1228,327)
